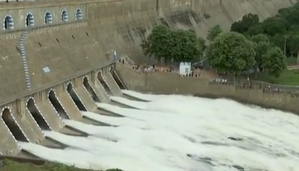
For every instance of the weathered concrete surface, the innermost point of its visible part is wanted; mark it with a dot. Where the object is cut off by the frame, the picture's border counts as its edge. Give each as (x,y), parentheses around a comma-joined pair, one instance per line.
(125,26)
(19,12)
(114,90)
(66,58)
(49,114)
(106,25)
(118,80)
(85,98)
(27,123)
(71,50)
(225,12)
(101,92)
(112,84)
(31,128)
(11,68)
(8,143)
(69,106)
(171,83)
(22,117)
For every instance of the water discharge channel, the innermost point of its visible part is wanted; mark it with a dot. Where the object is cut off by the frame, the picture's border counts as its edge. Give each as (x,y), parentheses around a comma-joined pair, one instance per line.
(174,133)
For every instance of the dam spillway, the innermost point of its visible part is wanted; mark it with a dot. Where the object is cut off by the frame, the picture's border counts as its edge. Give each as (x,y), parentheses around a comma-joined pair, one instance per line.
(57,58)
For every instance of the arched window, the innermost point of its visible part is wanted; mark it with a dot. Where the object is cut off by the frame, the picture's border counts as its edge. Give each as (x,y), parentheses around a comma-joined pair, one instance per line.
(29,20)
(8,23)
(64,16)
(48,18)
(79,14)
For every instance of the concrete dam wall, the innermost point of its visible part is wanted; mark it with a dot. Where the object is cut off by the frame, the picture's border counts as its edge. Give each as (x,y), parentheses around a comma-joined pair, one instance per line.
(56,57)
(172,83)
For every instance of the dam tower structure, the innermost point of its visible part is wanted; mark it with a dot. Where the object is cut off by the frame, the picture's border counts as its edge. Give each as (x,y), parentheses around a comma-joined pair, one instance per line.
(56,56)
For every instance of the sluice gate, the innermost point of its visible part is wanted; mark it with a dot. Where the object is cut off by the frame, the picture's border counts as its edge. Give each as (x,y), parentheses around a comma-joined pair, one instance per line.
(25,119)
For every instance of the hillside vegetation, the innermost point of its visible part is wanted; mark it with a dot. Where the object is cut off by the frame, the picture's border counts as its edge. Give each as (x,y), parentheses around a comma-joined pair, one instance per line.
(264,48)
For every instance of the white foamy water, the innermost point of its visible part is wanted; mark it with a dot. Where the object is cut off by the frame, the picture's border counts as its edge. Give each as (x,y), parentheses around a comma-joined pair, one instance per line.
(141,96)
(181,133)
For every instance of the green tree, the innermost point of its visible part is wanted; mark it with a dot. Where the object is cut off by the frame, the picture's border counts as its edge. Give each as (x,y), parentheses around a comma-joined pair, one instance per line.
(255,30)
(260,38)
(274,62)
(273,26)
(214,32)
(261,45)
(292,44)
(158,43)
(278,40)
(231,53)
(173,45)
(247,21)
(290,15)
(185,46)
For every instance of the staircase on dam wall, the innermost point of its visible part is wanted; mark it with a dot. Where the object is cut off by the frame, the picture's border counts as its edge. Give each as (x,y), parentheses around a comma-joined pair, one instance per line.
(24,59)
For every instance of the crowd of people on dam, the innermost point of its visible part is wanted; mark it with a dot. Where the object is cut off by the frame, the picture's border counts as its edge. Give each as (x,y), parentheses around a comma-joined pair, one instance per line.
(195,72)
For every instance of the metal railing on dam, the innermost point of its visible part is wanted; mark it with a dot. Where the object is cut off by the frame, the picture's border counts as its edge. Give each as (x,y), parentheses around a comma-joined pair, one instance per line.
(255,84)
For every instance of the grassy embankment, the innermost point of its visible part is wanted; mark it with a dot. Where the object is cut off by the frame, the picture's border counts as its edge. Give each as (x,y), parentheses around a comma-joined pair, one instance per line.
(15,166)
(288,77)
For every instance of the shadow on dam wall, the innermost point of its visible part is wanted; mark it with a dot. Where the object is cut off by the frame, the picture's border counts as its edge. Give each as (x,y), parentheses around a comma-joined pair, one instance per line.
(36,114)
(13,126)
(75,97)
(90,90)
(104,84)
(56,104)
(172,83)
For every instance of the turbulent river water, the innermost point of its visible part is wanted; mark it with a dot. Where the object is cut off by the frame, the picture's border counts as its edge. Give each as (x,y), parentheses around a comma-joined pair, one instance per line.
(180,133)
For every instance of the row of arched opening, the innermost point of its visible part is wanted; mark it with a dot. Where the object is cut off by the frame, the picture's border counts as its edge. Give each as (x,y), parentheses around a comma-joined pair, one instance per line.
(38,117)
(8,23)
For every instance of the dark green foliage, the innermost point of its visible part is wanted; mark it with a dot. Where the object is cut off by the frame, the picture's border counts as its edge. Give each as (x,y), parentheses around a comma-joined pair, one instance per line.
(247,21)
(281,29)
(261,45)
(173,45)
(214,32)
(254,30)
(273,26)
(293,43)
(273,39)
(231,53)
(273,62)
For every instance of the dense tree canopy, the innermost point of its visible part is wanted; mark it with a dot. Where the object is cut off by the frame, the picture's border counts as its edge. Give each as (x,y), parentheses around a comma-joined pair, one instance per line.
(249,20)
(214,32)
(250,45)
(267,57)
(173,45)
(282,29)
(261,45)
(273,61)
(231,53)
